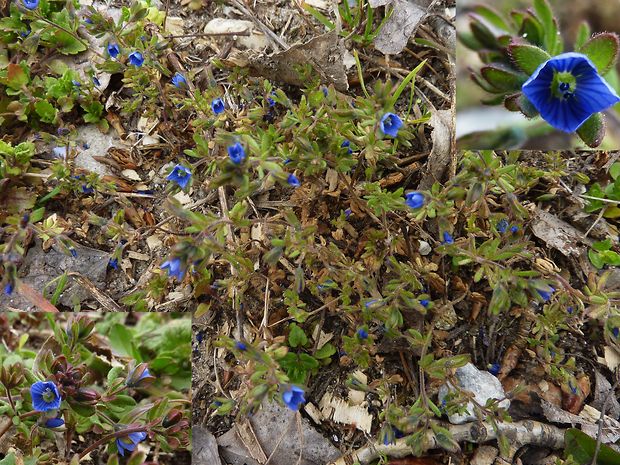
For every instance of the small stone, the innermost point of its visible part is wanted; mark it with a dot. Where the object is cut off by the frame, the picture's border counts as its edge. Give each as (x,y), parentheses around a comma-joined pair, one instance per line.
(482,384)
(424,248)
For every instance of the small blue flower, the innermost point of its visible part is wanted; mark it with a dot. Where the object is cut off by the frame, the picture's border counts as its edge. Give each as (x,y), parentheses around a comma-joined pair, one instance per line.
(76,83)
(74,253)
(271,102)
(113,50)
(54,423)
(45,396)
(615,332)
(236,153)
(178,80)
(362,333)
(502,226)
(136,59)
(113,263)
(180,175)
(31,4)
(25,33)
(241,346)
(414,199)
(293,397)
(324,90)
(129,442)
(87,189)
(447,238)
(88,20)
(293,181)
(347,213)
(217,105)
(546,295)
(139,376)
(346,143)
(494,368)
(570,310)
(174,268)
(514,229)
(8,288)
(85,146)
(567,89)
(390,124)
(96,81)
(425,303)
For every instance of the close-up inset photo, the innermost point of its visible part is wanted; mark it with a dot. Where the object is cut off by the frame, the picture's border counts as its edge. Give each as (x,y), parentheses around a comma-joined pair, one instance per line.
(533,74)
(95,388)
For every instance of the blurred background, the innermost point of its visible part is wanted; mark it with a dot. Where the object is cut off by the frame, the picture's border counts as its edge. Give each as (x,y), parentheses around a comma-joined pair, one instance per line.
(511,129)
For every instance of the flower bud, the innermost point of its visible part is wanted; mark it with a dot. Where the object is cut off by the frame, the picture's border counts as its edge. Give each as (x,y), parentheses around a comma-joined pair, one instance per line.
(79,328)
(87,396)
(11,376)
(173,417)
(139,376)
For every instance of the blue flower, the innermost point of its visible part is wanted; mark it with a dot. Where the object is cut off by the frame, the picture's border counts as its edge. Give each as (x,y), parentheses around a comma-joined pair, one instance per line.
(236,152)
(73,252)
(76,83)
(546,295)
(45,396)
(514,229)
(96,81)
(179,80)
(293,181)
(390,124)
(129,442)
(502,226)
(566,90)
(136,59)
(414,199)
(347,213)
(54,423)
(8,288)
(25,33)
(425,303)
(271,102)
(180,175)
(362,333)
(346,143)
(447,238)
(615,332)
(31,4)
(293,397)
(88,20)
(174,268)
(494,369)
(217,105)
(113,50)
(241,346)
(113,263)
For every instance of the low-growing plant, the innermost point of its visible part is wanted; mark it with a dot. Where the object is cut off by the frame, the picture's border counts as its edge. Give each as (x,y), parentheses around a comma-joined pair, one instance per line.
(119,380)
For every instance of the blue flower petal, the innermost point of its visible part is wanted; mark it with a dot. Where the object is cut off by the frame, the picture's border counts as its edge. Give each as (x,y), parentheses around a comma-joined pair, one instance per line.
(591,93)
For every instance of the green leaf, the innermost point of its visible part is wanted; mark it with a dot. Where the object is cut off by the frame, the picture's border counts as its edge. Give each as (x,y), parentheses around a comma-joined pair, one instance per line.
(46,111)
(614,171)
(121,341)
(492,17)
(602,245)
(527,57)
(325,352)
(500,300)
(595,259)
(583,34)
(297,337)
(503,78)
(592,131)
(582,447)
(8,460)
(602,49)
(551,38)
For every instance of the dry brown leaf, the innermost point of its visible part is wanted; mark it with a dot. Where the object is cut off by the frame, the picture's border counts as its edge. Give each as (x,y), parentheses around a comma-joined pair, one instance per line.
(325,53)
